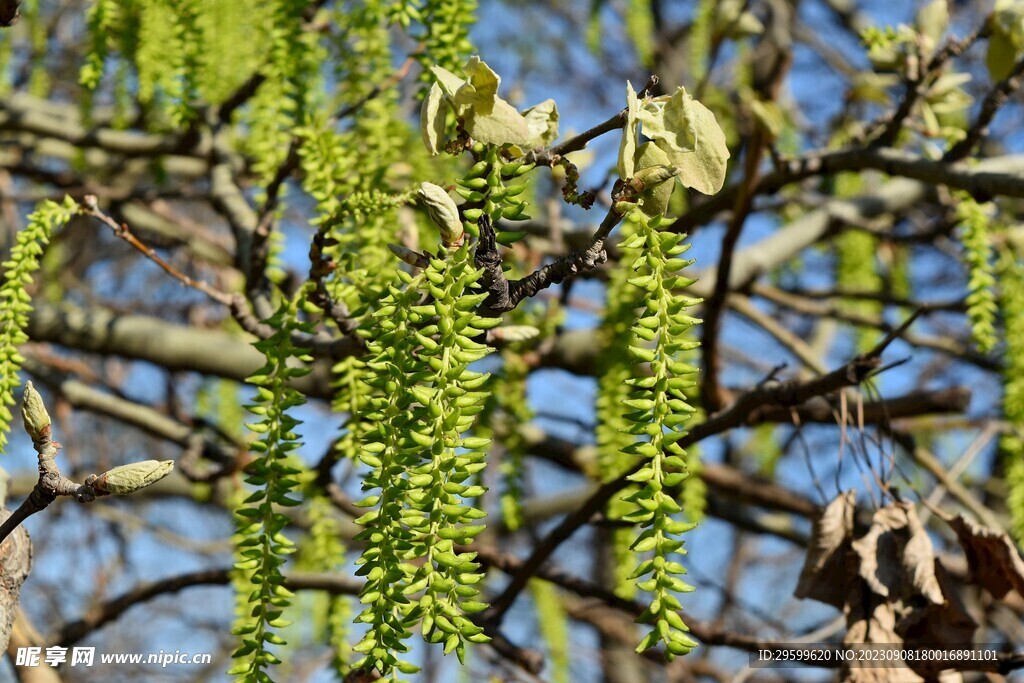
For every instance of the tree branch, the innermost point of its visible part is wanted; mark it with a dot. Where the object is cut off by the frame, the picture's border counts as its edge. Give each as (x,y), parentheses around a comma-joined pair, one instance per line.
(744,411)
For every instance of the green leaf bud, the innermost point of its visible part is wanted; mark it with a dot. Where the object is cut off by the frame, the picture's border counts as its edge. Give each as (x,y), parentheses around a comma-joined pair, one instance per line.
(129,478)
(442,211)
(514,333)
(652,176)
(33,412)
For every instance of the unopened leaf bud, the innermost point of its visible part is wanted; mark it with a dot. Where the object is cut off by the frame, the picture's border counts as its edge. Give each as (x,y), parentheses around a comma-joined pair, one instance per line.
(33,412)
(442,211)
(126,479)
(514,333)
(652,176)
(413,258)
(623,207)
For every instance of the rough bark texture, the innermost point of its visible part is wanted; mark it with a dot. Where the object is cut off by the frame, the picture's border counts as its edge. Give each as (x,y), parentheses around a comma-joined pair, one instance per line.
(15,564)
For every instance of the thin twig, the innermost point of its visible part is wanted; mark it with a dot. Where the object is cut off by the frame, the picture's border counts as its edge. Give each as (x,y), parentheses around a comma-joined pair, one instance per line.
(788,394)
(990,106)
(90,204)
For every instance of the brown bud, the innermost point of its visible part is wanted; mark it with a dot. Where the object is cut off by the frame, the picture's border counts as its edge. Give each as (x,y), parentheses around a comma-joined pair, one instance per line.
(413,258)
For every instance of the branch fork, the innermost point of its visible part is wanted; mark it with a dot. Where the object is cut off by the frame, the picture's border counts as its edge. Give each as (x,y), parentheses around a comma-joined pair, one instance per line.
(51,483)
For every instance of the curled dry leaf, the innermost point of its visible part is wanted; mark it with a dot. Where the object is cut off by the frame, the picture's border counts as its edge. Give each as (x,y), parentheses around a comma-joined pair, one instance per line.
(874,620)
(934,624)
(993,559)
(896,557)
(826,576)
(871,620)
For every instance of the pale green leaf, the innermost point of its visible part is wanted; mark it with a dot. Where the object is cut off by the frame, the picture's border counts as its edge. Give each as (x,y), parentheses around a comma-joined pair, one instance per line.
(703,168)
(1001,55)
(449,82)
(503,125)
(627,147)
(670,121)
(542,123)
(655,200)
(932,22)
(481,90)
(432,119)
(746,25)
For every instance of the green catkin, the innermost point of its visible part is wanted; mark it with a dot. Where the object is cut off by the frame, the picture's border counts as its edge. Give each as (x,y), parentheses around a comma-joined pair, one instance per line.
(6,57)
(640,29)
(899,272)
(611,432)
(358,225)
(158,50)
(262,543)
(693,494)
(445,33)
(39,76)
(974,219)
(340,165)
(324,551)
(510,390)
(284,100)
(15,300)
(856,272)
(553,625)
(183,87)
(857,265)
(426,403)
(508,409)
(1011,302)
(387,451)
(660,413)
(700,38)
(764,447)
(239,579)
(491,187)
(229,55)
(592,35)
(449,399)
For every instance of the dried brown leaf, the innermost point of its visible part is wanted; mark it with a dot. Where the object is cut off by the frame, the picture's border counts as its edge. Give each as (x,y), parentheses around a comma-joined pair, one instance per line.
(993,559)
(896,556)
(935,624)
(871,620)
(825,576)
